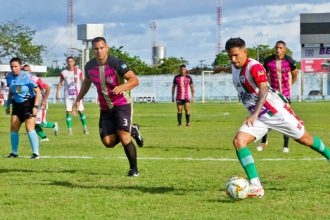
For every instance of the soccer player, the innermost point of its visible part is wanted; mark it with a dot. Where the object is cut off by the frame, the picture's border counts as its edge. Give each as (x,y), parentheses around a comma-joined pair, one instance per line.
(268,110)
(4,89)
(72,77)
(41,121)
(113,81)
(181,84)
(282,73)
(24,95)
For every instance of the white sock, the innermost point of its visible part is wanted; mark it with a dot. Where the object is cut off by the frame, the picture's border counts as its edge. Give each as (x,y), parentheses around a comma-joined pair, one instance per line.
(255,181)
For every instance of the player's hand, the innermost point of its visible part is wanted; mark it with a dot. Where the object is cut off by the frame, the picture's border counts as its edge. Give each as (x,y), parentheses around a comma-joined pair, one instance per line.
(74,108)
(34,112)
(118,89)
(7,110)
(172,99)
(249,121)
(192,100)
(44,104)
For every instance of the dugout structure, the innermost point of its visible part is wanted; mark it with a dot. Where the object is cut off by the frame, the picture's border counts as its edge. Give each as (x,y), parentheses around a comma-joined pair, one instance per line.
(315,53)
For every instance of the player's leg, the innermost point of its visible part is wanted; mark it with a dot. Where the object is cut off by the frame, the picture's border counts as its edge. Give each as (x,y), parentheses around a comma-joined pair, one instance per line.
(263,143)
(136,134)
(15,124)
(187,112)
(123,117)
(33,137)
(107,129)
(285,144)
(315,143)
(68,117)
(41,133)
(40,117)
(179,106)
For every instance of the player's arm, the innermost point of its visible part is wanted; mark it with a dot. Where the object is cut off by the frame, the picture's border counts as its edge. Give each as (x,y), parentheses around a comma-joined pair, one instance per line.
(131,82)
(36,100)
(192,89)
(58,87)
(86,84)
(262,95)
(294,75)
(173,91)
(8,103)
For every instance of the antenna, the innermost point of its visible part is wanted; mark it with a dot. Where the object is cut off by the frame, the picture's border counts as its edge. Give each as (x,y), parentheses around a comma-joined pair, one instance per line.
(153,26)
(219,23)
(70,26)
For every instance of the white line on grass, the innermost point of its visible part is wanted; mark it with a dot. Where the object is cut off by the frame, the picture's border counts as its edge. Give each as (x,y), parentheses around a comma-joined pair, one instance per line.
(178,158)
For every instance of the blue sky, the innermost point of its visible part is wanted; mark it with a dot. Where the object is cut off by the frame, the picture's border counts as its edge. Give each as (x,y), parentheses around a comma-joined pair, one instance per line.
(186,27)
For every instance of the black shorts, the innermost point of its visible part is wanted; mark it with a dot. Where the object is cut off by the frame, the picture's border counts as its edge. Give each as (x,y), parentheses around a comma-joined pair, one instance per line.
(117,118)
(182,101)
(23,110)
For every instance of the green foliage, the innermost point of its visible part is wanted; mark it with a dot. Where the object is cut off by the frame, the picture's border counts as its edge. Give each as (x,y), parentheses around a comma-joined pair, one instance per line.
(16,41)
(222,59)
(52,71)
(171,65)
(183,169)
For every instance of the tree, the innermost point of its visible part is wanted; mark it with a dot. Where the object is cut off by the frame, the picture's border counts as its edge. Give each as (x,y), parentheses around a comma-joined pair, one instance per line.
(222,59)
(16,41)
(171,65)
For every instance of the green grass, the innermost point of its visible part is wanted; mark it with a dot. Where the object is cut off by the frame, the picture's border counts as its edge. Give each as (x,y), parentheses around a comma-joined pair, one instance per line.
(172,185)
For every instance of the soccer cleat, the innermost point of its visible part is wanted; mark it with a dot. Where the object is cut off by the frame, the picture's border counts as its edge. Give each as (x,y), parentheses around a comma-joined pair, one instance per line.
(286,150)
(262,146)
(12,155)
(136,134)
(188,124)
(133,172)
(44,139)
(55,129)
(70,131)
(179,125)
(85,130)
(34,156)
(256,191)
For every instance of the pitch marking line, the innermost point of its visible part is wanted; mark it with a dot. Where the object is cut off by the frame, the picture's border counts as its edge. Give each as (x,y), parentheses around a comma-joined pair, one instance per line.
(178,158)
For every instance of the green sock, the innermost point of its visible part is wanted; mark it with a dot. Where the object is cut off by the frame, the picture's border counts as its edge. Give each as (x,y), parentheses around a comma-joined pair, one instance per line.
(40,132)
(47,125)
(83,119)
(69,120)
(319,146)
(245,158)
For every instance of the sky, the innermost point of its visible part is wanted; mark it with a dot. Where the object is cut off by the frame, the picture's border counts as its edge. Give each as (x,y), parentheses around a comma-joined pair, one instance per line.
(187,28)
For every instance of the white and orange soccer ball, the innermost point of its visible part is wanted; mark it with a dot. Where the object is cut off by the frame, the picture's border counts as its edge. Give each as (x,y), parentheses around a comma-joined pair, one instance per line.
(237,188)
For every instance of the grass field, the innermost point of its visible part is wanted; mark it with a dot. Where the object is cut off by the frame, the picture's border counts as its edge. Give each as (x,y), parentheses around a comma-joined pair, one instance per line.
(183,170)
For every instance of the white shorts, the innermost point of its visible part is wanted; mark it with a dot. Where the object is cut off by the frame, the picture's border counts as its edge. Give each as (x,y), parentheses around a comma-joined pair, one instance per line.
(69,103)
(285,121)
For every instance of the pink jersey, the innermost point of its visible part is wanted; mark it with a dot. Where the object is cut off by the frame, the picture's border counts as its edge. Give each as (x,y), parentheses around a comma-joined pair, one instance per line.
(246,80)
(182,83)
(107,77)
(279,72)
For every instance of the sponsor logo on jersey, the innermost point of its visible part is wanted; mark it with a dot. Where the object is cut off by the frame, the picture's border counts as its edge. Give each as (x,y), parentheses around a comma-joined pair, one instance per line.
(18,89)
(123,66)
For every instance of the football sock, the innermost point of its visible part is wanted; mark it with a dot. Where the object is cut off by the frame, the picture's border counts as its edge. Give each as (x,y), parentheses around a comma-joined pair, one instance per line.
(246,159)
(179,118)
(83,119)
(33,138)
(69,120)
(48,125)
(187,118)
(264,139)
(130,151)
(319,146)
(40,132)
(286,141)
(14,141)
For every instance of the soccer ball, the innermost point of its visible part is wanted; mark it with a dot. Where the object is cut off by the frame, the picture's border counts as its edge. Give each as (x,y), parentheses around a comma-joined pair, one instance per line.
(237,188)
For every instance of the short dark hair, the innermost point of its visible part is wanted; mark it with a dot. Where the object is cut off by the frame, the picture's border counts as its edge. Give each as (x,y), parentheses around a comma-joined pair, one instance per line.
(25,65)
(280,42)
(182,65)
(16,59)
(98,39)
(69,57)
(234,42)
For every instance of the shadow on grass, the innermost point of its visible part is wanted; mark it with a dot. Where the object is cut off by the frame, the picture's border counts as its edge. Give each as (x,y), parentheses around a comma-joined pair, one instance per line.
(167,148)
(153,190)
(36,171)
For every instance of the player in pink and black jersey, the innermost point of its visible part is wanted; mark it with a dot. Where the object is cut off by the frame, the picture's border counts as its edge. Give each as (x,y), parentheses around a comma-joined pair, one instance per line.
(182,83)
(282,73)
(113,80)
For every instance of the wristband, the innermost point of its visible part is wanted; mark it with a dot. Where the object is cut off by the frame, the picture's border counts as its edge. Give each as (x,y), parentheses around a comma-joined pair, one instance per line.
(36,106)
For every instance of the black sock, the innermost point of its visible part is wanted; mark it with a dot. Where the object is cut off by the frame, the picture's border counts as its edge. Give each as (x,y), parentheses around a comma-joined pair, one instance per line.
(179,118)
(264,139)
(286,141)
(130,151)
(187,118)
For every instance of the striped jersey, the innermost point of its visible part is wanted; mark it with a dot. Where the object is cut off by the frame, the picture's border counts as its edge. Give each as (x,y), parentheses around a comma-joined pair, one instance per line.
(21,86)
(279,73)
(182,84)
(72,82)
(246,80)
(107,77)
